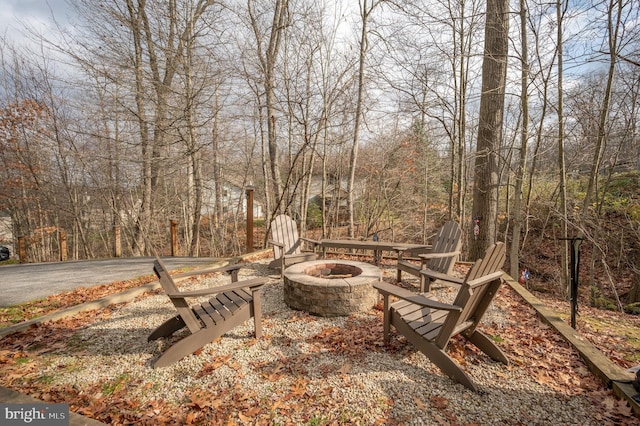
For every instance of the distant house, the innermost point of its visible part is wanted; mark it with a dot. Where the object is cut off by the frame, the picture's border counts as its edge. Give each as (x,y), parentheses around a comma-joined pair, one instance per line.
(335,197)
(233,199)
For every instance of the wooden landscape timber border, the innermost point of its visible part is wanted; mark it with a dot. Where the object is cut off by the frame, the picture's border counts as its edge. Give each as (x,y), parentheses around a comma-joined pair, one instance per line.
(613,376)
(609,373)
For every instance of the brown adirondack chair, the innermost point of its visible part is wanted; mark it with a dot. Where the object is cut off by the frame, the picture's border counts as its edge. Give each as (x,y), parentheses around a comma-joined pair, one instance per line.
(429,325)
(230,306)
(441,258)
(287,245)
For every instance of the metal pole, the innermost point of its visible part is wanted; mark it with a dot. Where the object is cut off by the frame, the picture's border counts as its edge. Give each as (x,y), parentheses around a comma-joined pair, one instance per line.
(174,237)
(575,270)
(249,219)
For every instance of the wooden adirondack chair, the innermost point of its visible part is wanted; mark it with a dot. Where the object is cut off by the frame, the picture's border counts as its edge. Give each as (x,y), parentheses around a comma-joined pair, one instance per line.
(429,325)
(442,257)
(287,245)
(230,306)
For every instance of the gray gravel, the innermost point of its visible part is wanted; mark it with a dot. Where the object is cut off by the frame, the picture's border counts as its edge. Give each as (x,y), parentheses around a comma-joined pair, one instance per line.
(374,385)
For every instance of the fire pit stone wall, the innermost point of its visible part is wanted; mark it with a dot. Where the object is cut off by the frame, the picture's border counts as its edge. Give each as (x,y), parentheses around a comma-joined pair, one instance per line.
(331,287)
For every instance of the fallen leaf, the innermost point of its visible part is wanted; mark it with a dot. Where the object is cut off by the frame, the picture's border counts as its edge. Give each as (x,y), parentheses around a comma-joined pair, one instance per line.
(439,402)
(345,368)
(252,412)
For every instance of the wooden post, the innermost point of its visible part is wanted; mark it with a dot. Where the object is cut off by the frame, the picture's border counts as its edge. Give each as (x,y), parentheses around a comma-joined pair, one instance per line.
(62,234)
(249,219)
(22,249)
(174,237)
(117,242)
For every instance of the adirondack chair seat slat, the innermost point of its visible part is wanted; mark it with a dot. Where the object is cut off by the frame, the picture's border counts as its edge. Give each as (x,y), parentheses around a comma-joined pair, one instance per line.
(235,300)
(445,250)
(204,316)
(212,312)
(229,306)
(431,322)
(429,332)
(429,325)
(221,311)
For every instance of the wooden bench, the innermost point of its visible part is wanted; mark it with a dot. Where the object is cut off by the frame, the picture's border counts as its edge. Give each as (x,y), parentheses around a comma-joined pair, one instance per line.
(376,246)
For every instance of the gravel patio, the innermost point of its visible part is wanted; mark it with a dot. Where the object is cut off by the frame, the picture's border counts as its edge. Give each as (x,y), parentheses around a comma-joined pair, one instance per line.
(305,370)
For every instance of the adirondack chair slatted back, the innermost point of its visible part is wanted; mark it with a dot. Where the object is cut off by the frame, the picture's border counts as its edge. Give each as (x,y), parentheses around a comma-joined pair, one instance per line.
(441,256)
(447,240)
(285,231)
(475,298)
(169,287)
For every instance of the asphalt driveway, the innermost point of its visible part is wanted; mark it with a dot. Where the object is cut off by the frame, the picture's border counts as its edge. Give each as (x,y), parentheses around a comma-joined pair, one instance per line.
(27,282)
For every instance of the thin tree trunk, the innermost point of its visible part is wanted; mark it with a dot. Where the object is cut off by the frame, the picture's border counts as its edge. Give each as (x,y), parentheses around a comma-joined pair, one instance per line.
(613,29)
(514,256)
(365,12)
(564,257)
(268,60)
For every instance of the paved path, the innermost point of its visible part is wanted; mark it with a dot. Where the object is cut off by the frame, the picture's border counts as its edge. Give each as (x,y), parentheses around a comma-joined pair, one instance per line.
(23,283)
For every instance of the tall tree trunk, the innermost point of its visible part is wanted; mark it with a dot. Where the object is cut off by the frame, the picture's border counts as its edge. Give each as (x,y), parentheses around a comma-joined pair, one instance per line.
(365,12)
(217,175)
(143,218)
(268,62)
(613,28)
(514,256)
(564,256)
(494,74)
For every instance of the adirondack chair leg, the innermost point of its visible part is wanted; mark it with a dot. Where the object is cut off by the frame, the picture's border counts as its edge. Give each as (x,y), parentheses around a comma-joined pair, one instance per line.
(167,328)
(486,345)
(185,347)
(386,321)
(193,342)
(447,365)
(282,264)
(399,273)
(438,356)
(256,307)
(425,284)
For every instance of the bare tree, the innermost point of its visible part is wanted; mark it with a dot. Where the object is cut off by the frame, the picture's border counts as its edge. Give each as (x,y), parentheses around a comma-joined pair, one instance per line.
(520,171)
(268,49)
(494,71)
(366,9)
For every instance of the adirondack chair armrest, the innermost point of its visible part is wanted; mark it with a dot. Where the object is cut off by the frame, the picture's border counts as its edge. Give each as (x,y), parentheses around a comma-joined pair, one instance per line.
(252,284)
(401,250)
(425,248)
(387,290)
(276,243)
(486,278)
(313,242)
(441,277)
(230,269)
(427,256)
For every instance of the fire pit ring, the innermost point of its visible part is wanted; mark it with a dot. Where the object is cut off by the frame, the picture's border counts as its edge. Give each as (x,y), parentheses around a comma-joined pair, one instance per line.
(331,287)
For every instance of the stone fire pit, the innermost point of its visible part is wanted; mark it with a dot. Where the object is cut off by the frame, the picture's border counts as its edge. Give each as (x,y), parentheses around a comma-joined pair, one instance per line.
(331,287)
